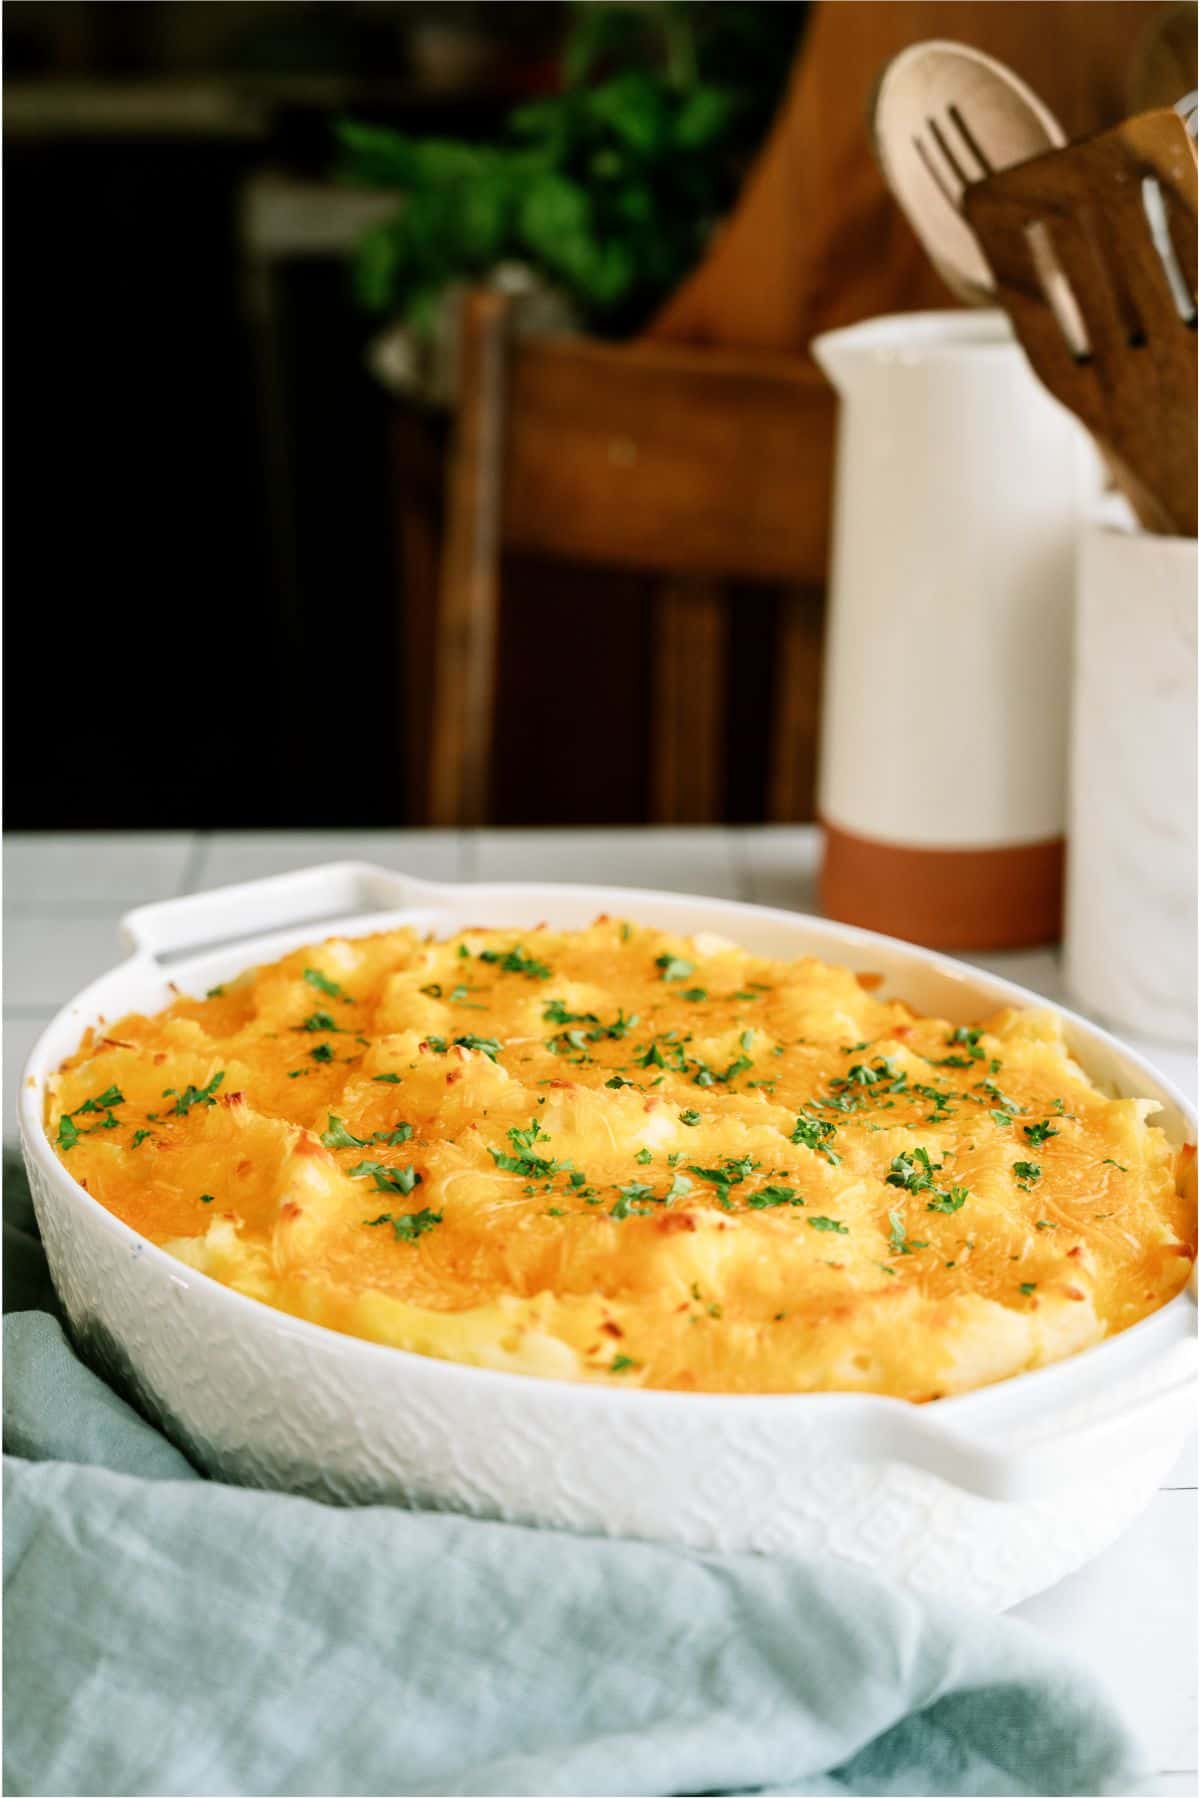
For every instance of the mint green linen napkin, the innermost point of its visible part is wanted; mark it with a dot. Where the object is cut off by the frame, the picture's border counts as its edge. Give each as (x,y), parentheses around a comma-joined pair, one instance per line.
(168,1634)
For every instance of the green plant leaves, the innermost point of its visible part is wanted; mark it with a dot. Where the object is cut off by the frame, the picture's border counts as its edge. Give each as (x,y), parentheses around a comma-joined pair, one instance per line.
(609,189)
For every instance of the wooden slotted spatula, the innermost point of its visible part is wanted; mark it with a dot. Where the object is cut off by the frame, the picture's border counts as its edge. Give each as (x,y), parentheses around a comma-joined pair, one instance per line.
(1113,221)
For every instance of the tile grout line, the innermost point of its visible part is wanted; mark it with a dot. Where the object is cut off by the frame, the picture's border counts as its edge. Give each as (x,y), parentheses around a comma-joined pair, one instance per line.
(467,867)
(193,866)
(743,866)
(65,910)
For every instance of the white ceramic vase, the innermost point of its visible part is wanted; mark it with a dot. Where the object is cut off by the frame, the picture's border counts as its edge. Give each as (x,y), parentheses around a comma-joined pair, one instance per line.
(1130,946)
(960,488)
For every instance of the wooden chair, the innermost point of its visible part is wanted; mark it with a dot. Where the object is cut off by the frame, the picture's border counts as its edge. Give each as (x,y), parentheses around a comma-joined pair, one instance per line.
(701,466)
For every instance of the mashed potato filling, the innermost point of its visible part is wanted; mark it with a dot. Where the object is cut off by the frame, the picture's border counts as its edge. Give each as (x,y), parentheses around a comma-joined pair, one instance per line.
(624,1156)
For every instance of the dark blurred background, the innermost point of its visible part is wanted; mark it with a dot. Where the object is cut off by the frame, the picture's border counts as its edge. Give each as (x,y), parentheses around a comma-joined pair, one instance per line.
(210,598)
(199,559)
(202,575)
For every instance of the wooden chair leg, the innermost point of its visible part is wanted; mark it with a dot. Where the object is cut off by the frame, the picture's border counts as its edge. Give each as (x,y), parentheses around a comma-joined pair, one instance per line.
(417,458)
(469,585)
(792,764)
(418,551)
(688,756)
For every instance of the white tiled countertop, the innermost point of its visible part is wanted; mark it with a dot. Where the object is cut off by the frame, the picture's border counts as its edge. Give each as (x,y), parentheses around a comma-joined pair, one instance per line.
(1131,1614)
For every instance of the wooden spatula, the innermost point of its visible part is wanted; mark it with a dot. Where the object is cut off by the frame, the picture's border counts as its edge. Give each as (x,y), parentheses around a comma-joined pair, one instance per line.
(1113,219)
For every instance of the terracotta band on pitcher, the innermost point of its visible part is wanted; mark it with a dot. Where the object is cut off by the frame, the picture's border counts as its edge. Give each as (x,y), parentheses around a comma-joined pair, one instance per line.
(945,898)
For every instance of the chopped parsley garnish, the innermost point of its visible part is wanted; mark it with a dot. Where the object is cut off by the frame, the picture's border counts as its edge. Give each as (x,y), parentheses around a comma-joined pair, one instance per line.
(461,995)
(515,961)
(679,1186)
(387,1179)
(336,1136)
(433,990)
(950,1201)
(1028,1288)
(730,1173)
(1038,1133)
(379,1079)
(885,1072)
(621,1364)
(487,1045)
(993,1092)
(139,1137)
(322,1052)
(557,1013)
(407,1225)
(644,1157)
(695,994)
(767,1196)
(1002,1118)
(69,1133)
(1109,1162)
(814,1133)
(828,1223)
(215,992)
(194,1095)
(102,1102)
(898,1242)
(320,1020)
(653,1058)
(914,1172)
(630,1203)
(323,984)
(524,1161)
(674,967)
(206,1198)
(689,1117)
(1026,1172)
(617,1081)
(620,1027)
(392,1139)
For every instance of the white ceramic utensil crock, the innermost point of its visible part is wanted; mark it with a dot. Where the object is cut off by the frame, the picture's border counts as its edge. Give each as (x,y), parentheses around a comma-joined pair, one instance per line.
(990,1496)
(1130,945)
(958,496)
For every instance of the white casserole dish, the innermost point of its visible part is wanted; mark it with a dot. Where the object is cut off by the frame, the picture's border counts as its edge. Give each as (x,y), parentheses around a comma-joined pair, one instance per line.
(991,1496)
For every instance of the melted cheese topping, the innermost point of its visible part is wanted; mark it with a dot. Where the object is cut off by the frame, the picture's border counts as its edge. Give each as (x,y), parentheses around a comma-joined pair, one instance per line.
(619,1155)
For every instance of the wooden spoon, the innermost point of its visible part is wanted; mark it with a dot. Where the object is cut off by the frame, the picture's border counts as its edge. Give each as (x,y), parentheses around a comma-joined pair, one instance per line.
(1112,220)
(944,117)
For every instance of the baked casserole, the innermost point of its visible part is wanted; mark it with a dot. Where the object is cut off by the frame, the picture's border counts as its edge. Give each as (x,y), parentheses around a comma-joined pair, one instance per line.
(620,1155)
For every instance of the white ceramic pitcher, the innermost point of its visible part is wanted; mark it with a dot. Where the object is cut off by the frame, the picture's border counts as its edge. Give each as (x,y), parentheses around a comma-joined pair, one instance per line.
(959,488)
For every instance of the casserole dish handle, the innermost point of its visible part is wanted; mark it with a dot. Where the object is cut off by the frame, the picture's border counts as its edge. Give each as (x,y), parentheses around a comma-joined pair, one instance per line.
(321,895)
(1011,1460)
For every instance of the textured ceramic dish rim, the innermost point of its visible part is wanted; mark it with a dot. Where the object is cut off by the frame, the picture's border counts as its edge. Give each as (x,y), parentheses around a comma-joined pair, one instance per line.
(1004,1441)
